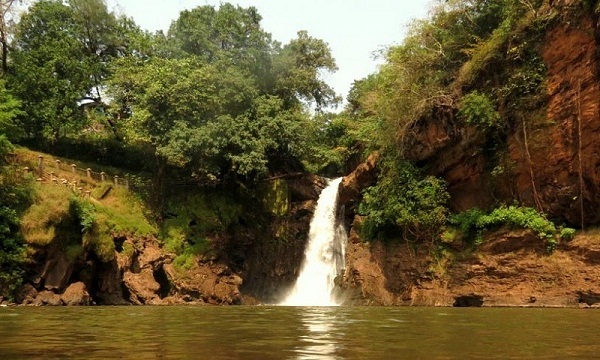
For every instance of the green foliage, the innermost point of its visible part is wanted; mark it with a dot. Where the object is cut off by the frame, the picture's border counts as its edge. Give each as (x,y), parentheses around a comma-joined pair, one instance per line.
(478,110)
(472,223)
(51,71)
(12,251)
(223,102)
(61,56)
(49,210)
(467,224)
(122,212)
(521,217)
(296,70)
(404,200)
(99,239)
(195,219)
(485,53)
(524,88)
(15,195)
(10,109)
(334,141)
(84,212)
(567,234)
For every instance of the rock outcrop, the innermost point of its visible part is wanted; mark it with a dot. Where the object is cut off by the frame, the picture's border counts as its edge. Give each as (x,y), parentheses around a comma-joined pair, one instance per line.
(76,294)
(272,259)
(362,177)
(509,269)
(551,164)
(248,264)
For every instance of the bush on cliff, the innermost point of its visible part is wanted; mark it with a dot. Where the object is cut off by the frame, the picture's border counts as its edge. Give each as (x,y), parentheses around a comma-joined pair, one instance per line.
(472,223)
(15,194)
(404,202)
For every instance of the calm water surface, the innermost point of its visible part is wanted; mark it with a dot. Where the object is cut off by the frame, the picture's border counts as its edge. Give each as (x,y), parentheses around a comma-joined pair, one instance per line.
(297,333)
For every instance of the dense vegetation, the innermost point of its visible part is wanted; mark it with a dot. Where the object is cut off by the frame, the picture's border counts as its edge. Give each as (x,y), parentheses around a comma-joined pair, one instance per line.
(470,64)
(216,102)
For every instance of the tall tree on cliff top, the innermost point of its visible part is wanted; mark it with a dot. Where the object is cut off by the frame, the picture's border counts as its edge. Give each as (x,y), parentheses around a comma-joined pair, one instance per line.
(297,67)
(51,69)
(239,121)
(230,34)
(9,12)
(62,56)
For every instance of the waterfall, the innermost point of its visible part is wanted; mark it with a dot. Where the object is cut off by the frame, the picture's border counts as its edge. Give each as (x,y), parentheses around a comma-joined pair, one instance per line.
(324,254)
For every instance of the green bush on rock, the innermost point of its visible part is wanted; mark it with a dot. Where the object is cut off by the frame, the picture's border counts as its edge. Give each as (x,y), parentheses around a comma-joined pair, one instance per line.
(404,201)
(472,223)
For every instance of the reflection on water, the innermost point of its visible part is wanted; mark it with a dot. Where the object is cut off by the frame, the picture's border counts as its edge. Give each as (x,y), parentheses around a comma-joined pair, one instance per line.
(296,333)
(321,339)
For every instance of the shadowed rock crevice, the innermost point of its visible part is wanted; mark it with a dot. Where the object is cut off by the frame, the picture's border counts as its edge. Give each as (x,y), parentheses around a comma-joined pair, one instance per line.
(471,300)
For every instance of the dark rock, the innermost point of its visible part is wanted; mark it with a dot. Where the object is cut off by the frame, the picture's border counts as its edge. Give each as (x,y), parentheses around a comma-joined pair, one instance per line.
(57,271)
(26,294)
(589,297)
(471,300)
(108,281)
(306,187)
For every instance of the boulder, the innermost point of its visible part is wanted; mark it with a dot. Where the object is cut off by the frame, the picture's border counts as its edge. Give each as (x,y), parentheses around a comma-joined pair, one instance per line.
(26,294)
(47,297)
(142,287)
(76,294)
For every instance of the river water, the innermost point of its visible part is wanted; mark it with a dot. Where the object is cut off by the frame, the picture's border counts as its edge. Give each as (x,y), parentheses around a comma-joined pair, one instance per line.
(263,332)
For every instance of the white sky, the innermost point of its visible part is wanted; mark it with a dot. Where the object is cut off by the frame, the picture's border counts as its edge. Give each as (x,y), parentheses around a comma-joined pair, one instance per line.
(354,29)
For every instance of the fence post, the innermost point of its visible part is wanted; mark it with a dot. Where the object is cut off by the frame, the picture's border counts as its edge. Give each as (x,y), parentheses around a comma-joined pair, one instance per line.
(73,168)
(58,164)
(117,180)
(103,176)
(41,165)
(89,172)
(127,183)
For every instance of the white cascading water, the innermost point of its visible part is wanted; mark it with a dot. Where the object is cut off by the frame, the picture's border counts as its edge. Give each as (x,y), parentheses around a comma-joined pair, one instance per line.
(324,254)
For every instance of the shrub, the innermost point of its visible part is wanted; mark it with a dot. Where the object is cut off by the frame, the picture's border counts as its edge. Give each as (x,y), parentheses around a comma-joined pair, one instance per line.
(84,212)
(467,224)
(403,201)
(474,222)
(15,195)
(567,233)
(478,110)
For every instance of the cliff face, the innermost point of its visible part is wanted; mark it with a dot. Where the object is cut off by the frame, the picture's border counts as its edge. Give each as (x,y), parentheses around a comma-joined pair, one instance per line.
(253,263)
(552,165)
(564,162)
(549,165)
(510,269)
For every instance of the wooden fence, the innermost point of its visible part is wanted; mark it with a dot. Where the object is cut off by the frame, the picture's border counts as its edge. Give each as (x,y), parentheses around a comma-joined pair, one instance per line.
(78,179)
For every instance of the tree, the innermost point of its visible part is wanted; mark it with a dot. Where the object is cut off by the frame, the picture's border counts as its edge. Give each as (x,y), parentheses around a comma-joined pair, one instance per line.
(51,70)
(210,118)
(297,68)
(10,109)
(14,195)
(9,10)
(62,56)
